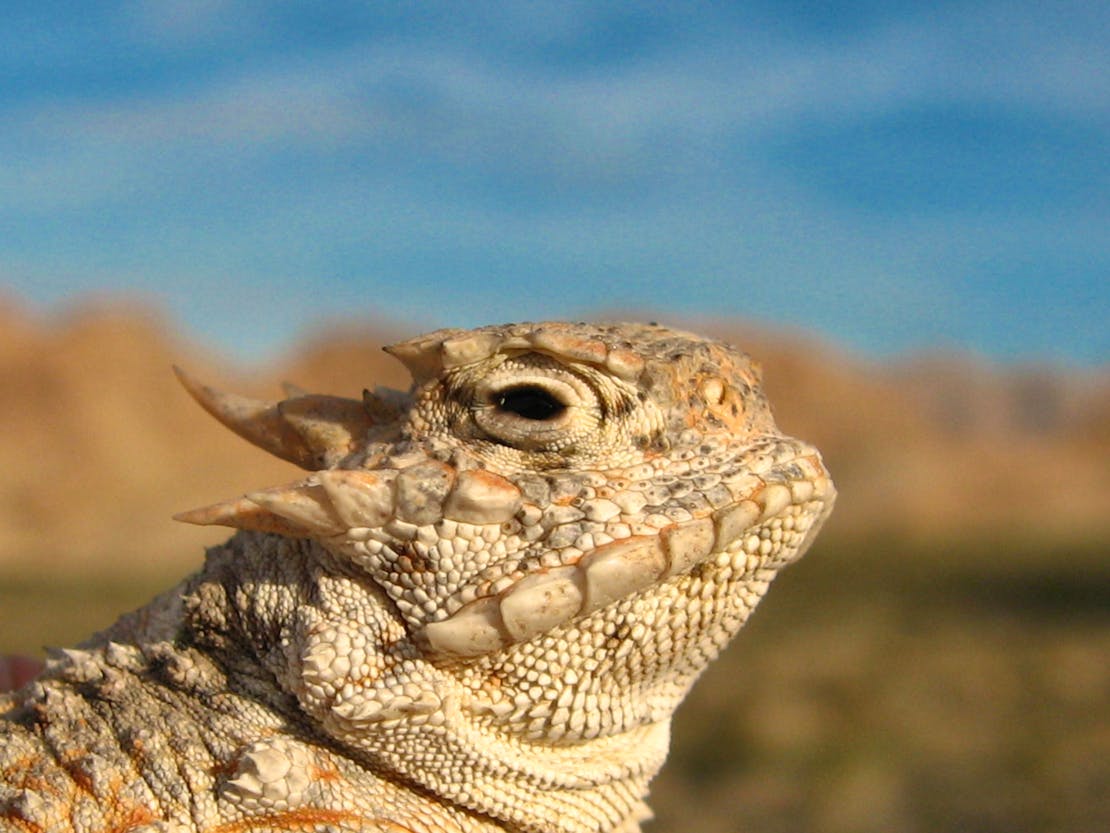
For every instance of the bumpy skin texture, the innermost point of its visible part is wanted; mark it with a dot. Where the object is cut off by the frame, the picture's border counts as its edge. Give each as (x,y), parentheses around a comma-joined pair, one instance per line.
(477,613)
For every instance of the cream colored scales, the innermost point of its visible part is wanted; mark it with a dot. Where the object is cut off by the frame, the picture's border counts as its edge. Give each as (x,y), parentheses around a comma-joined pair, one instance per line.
(476,612)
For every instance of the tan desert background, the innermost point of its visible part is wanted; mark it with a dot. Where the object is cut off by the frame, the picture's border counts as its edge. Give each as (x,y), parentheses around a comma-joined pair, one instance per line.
(940,661)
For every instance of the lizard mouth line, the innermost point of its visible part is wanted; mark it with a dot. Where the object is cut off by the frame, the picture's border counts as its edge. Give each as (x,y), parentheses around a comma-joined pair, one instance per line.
(780,517)
(379,516)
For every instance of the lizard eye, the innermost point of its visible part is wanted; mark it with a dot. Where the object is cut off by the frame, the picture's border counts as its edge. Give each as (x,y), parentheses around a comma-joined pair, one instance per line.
(534,408)
(530,402)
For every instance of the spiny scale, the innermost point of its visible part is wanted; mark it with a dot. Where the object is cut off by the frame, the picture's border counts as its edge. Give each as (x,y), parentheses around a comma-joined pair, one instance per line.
(313,431)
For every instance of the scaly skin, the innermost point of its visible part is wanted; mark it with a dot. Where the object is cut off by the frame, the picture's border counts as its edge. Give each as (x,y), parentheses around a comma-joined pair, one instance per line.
(477,613)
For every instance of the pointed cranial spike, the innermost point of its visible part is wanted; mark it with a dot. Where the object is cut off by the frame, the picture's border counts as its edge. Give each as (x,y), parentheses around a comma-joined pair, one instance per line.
(298,510)
(242,513)
(306,504)
(313,431)
(422,356)
(330,427)
(260,423)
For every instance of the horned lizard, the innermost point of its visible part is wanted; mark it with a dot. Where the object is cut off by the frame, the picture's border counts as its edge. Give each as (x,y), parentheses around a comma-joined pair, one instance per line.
(476,613)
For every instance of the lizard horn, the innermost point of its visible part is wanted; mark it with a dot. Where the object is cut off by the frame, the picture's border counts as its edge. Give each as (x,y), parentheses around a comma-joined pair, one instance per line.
(241,513)
(298,510)
(429,355)
(312,431)
(420,356)
(330,426)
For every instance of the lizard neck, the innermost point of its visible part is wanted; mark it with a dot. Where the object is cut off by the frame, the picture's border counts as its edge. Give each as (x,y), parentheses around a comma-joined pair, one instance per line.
(338,646)
(588,786)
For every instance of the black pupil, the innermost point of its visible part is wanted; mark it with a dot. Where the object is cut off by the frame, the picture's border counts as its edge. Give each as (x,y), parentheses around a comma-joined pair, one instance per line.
(530,403)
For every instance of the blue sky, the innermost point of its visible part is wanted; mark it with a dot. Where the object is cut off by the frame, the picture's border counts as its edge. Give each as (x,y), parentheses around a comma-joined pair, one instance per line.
(893,176)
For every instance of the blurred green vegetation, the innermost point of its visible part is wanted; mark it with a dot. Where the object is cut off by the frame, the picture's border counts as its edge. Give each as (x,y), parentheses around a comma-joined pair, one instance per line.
(880,687)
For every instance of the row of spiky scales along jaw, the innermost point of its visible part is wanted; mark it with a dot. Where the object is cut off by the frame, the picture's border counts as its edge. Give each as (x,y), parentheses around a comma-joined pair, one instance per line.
(457,550)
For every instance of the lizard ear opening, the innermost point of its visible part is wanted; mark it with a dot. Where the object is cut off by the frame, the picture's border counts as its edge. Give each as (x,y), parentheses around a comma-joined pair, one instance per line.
(312,431)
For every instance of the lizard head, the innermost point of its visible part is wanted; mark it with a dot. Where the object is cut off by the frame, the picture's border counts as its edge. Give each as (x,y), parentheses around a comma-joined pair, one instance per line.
(618,489)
